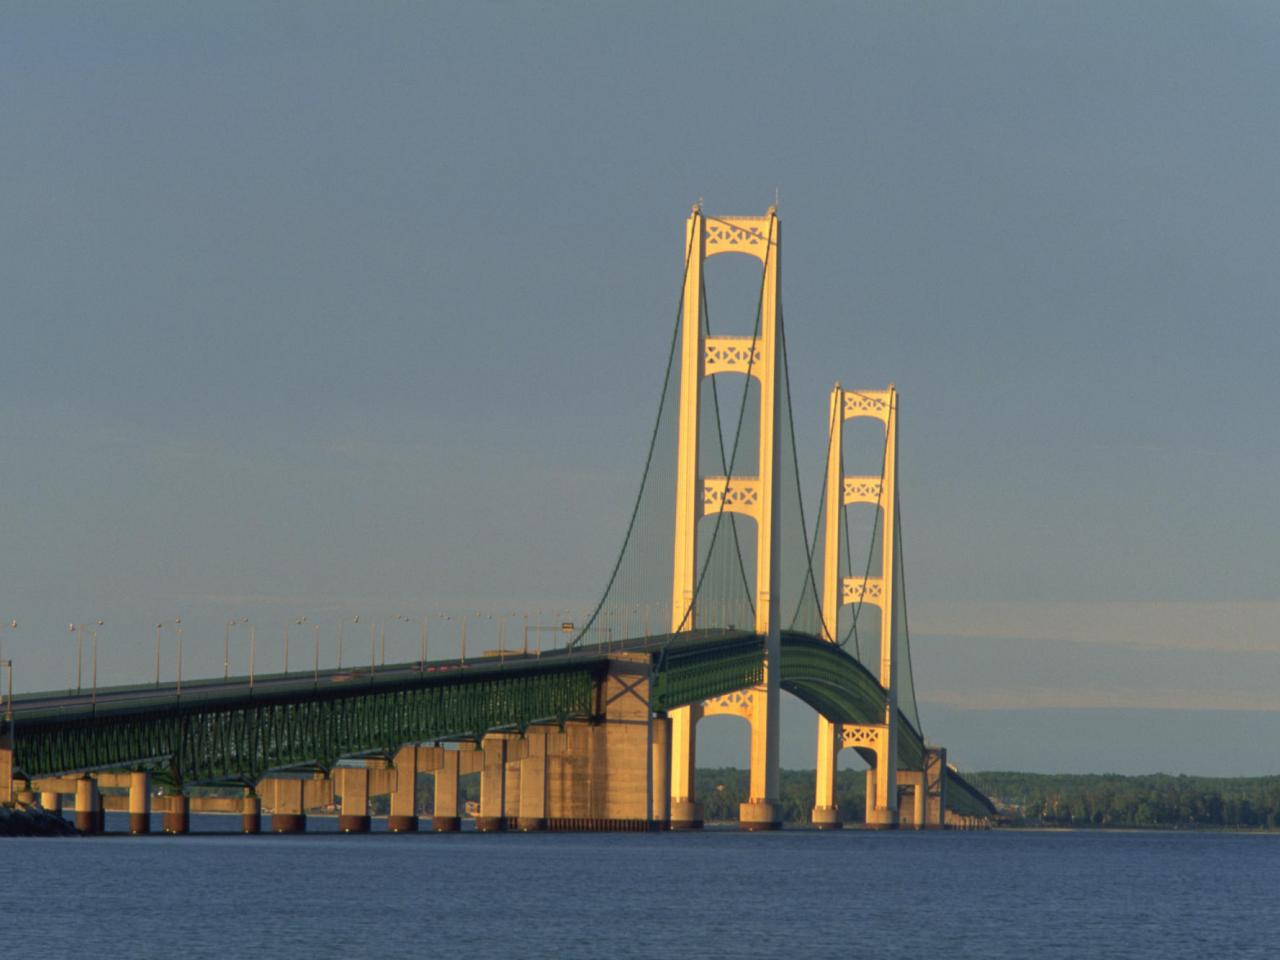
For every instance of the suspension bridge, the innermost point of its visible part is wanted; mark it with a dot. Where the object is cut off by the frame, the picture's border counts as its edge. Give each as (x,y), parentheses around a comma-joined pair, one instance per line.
(756,596)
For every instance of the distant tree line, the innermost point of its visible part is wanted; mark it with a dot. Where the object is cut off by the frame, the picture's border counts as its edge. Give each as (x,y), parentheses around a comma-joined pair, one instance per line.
(721,790)
(1111,800)
(1028,799)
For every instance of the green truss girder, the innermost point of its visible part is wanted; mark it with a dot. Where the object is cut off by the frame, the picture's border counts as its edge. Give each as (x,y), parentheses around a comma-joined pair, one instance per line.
(204,737)
(242,738)
(819,673)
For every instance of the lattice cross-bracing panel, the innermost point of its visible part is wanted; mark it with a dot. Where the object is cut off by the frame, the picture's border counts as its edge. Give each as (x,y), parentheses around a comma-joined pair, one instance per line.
(740,703)
(862,489)
(859,590)
(733,355)
(866,403)
(748,235)
(868,736)
(741,496)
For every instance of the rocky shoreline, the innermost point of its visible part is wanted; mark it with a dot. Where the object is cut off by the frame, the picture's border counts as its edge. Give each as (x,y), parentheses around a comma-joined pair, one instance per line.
(25,821)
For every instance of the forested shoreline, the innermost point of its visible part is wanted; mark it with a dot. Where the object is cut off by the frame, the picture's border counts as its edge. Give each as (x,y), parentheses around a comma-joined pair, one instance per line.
(1031,799)
(1150,800)
(1023,799)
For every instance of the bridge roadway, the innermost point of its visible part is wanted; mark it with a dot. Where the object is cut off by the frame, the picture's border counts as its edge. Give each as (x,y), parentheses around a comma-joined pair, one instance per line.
(237,730)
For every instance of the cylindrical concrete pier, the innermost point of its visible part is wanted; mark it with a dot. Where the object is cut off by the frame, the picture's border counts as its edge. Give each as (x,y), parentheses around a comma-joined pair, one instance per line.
(251,815)
(288,823)
(827,818)
(353,823)
(490,824)
(402,817)
(758,815)
(444,824)
(177,819)
(882,818)
(531,824)
(51,801)
(88,806)
(686,815)
(139,802)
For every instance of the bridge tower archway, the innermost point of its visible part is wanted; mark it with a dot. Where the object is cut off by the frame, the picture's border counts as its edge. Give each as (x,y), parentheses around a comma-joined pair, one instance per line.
(877,742)
(756,497)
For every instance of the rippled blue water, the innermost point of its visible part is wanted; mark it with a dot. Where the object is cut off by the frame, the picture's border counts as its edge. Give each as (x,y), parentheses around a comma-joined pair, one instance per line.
(1002,894)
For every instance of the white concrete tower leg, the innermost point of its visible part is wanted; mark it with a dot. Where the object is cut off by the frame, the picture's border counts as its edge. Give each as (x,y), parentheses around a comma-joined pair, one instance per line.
(826,814)
(686,812)
(761,812)
(886,811)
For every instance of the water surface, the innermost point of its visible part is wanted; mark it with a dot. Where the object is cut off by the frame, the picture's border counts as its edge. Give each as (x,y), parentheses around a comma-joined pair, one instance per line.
(1002,894)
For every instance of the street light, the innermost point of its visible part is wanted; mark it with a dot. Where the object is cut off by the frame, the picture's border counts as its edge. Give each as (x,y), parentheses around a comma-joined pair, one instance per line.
(13,625)
(80,631)
(355,619)
(300,621)
(398,618)
(226,645)
(315,632)
(176,623)
(71,628)
(8,698)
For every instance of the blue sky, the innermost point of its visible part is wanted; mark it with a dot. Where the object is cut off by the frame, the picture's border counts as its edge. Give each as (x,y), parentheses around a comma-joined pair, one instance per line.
(335,309)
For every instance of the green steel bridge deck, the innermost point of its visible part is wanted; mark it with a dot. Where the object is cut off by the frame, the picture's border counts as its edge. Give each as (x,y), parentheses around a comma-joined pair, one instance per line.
(234,730)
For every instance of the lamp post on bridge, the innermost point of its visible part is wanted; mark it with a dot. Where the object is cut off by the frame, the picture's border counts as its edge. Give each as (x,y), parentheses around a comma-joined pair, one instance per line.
(442,616)
(315,632)
(341,622)
(12,625)
(226,645)
(8,696)
(80,630)
(301,621)
(398,618)
(176,624)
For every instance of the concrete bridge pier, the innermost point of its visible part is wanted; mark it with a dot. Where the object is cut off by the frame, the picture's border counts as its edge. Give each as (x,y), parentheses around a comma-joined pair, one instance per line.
(353,784)
(882,809)
(403,816)
(51,801)
(660,767)
(532,780)
(21,790)
(935,788)
(826,813)
(177,814)
(446,811)
(911,782)
(493,784)
(250,813)
(89,818)
(287,812)
(685,811)
(761,813)
(139,802)
(511,783)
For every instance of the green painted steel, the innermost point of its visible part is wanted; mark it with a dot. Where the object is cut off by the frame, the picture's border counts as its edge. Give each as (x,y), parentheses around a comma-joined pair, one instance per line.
(196,738)
(710,663)
(840,688)
(215,731)
(964,798)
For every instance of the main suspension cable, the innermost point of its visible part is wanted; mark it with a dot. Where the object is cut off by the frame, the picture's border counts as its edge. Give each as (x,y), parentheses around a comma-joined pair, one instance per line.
(648,462)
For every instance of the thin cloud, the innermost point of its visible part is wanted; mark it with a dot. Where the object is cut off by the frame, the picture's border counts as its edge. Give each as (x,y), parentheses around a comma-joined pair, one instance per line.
(1228,626)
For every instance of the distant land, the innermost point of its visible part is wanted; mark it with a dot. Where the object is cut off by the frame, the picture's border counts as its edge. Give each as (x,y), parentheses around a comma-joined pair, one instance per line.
(1037,799)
